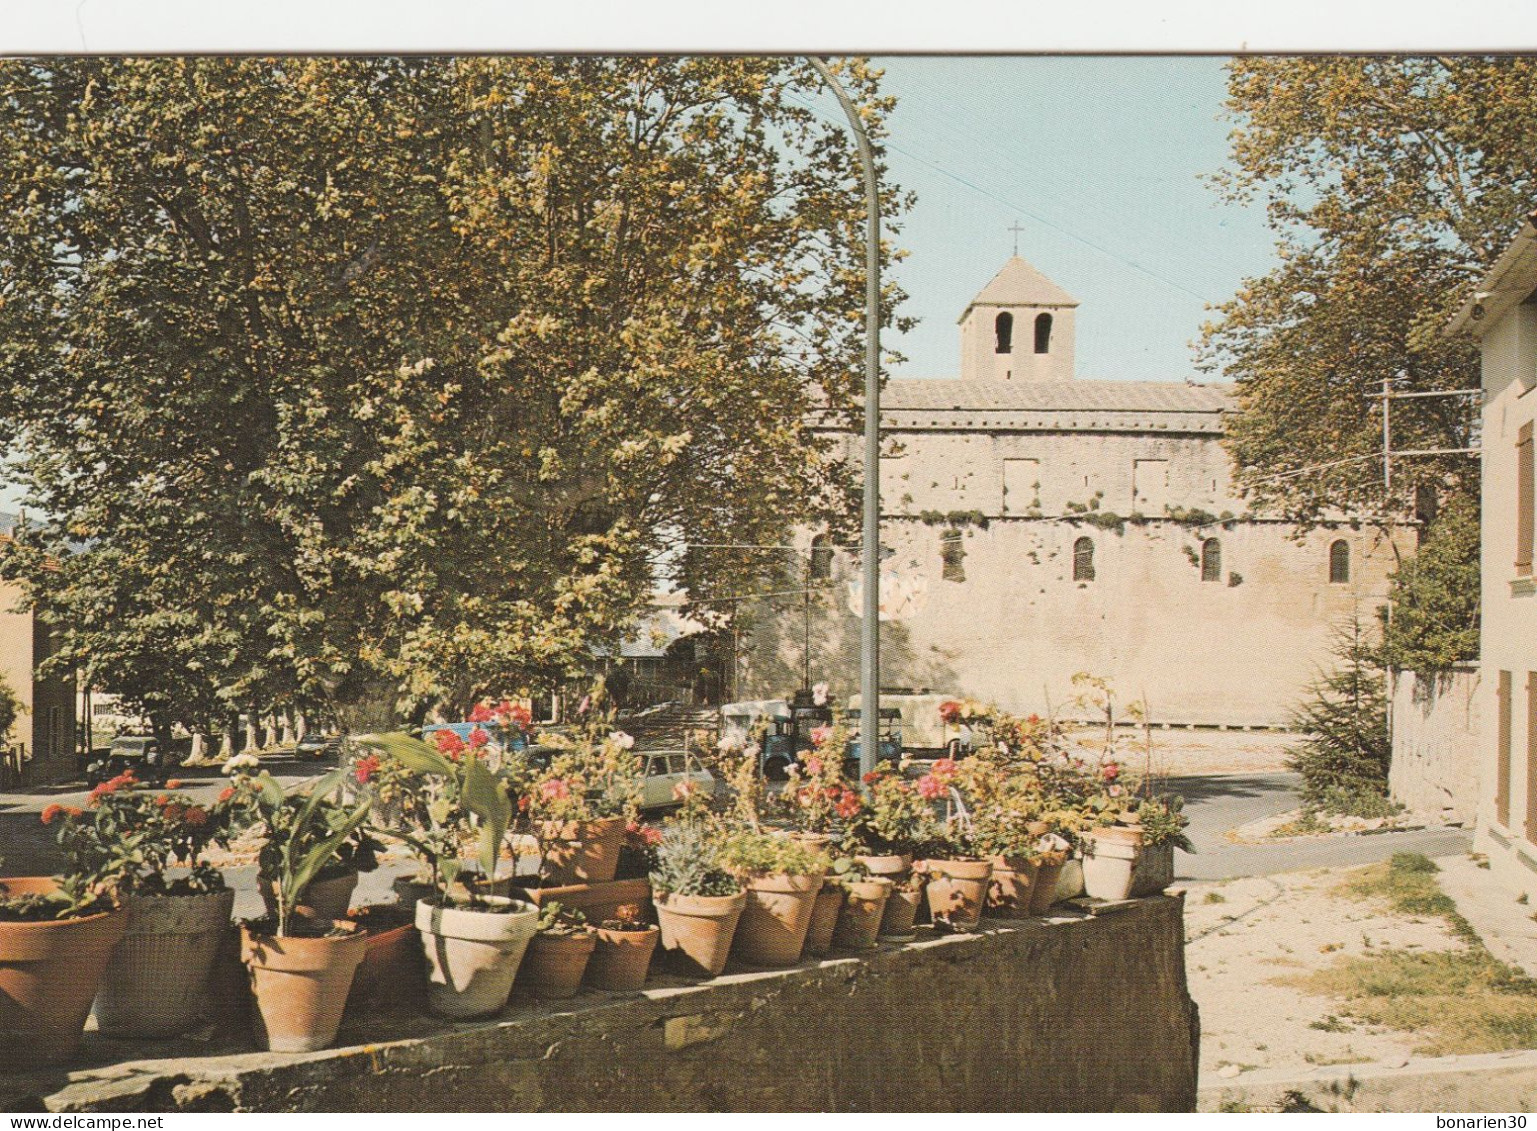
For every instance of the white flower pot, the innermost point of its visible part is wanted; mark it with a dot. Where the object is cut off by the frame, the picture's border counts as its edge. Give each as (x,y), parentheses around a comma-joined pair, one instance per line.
(1108,866)
(473,955)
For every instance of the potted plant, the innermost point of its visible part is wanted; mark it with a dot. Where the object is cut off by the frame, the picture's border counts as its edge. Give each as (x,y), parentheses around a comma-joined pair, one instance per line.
(328,893)
(57,935)
(864,905)
(698,902)
(816,798)
(580,806)
(1163,824)
(474,941)
(957,878)
(781,877)
(902,905)
(824,912)
(622,956)
(156,984)
(558,953)
(301,964)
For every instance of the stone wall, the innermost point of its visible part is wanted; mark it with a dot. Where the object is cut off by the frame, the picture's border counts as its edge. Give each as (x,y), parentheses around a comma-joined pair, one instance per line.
(1072,1014)
(1435,767)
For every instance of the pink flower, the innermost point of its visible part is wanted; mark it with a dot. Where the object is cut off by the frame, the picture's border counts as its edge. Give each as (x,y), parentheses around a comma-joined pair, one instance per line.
(819,735)
(481,714)
(945,770)
(1110,771)
(931,787)
(950,712)
(813,765)
(478,738)
(555,789)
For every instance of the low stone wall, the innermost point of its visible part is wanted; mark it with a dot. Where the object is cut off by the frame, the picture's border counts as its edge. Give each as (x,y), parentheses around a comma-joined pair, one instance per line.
(1435,744)
(1071,1014)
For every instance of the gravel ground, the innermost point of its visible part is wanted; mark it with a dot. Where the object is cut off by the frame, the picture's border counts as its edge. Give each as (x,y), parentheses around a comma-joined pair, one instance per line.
(1266,928)
(1178,753)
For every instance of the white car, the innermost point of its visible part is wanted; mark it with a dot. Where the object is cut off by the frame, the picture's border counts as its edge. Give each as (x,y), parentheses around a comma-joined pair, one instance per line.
(664,770)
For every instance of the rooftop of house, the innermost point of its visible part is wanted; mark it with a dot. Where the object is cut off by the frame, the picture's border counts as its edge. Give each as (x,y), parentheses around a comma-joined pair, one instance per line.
(1019,284)
(925,395)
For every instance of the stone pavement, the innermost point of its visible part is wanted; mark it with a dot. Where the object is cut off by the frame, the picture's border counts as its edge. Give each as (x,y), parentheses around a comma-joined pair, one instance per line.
(1506,926)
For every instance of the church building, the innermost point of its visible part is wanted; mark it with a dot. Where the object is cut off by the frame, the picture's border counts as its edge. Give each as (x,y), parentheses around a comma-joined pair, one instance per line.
(1035,525)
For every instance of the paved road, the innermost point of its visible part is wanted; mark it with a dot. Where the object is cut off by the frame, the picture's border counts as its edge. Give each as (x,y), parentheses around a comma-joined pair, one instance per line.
(1221,802)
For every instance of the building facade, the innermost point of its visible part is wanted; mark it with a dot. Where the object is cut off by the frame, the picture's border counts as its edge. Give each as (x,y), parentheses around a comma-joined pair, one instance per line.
(1503,316)
(41,745)
(1036,525)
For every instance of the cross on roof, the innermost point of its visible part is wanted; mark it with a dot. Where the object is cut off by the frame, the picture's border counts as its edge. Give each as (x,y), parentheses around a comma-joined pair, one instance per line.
(1016,229)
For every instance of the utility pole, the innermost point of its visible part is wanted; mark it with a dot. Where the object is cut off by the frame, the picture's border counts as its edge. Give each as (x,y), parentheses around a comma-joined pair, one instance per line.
(870,543)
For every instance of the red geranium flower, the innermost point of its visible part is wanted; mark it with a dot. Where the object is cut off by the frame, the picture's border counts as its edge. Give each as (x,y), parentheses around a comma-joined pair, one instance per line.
(945,770)
(872,777)
(163,800)
(849,804)
(174,783)
(51,813)
(229,791)
(196,816)
(820,735)
(481,714)
(519,714)
(1110,771)
(814,765)
(931,787)
(365,768)
(449,744)
(555,789)
(478,738)
(950,711)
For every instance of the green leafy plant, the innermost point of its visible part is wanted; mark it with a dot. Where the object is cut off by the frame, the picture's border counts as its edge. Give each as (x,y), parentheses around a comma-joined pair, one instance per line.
(748,854)
(1163,821)
(305,834)
(557,919)
(688,862)
(461,800)
(1345,755)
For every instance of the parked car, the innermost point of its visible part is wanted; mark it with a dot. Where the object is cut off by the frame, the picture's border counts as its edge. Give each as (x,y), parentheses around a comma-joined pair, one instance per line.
(318,744)
(140,753)
(664,770)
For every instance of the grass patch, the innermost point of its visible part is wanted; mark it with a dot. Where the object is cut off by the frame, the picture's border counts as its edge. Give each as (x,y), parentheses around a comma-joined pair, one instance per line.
(1307,823)
(1458,1001)
(1214,897)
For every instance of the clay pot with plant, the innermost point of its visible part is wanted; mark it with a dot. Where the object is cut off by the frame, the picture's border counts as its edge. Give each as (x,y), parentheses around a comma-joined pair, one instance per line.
(57,935)
(901,911)
(558,953)
(157,982)
(781,877)
(864,906)
(956,876)
(581,805)
(824,916)
(893,821)
(622,956)
(698,901)
(1163,824)
(301,965)
(473,941)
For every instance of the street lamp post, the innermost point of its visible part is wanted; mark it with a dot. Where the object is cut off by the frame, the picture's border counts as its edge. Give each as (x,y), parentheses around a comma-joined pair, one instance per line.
(870,543)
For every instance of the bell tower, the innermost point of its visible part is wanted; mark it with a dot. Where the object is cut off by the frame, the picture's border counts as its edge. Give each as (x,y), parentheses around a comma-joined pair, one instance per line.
(1018,328)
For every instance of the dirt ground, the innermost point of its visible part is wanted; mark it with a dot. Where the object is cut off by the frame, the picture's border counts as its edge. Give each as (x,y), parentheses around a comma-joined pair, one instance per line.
(1243,935)
(1178,753)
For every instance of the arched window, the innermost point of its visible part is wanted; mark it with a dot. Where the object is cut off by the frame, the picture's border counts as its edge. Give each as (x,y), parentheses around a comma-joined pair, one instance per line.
(1003,327)
(1211,560)
(952,556)
(1339,562)
(1083,559)
(821,558)
(1043,333)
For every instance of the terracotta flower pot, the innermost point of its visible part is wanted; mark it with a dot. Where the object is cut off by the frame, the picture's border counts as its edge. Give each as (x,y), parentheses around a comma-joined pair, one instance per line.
(473,955)
(323,899)
(1154,870)
(49,972)
(391,974)
(621,958)
(581,851)
(860,920)
(301,984)
(1108,863)
(824,919)
(156,984)
(697,930)
(956,892)
(774,922)
(899,914)
(1008,893)
(1044,893)
(894,867)
(554,964)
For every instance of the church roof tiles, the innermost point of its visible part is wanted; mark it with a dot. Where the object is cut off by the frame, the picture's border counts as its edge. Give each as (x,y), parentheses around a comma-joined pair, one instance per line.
(926,395)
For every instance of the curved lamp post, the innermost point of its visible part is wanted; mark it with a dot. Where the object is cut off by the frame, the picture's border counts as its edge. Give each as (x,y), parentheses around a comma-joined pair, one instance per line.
(870,543)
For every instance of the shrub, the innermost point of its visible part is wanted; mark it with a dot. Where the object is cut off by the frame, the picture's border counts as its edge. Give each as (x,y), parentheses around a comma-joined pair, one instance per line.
(1344,758)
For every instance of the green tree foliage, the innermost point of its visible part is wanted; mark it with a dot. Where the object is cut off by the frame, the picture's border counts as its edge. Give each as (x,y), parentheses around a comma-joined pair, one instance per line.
(396,379)
(1434,622)
(1391,183)
(1346,751)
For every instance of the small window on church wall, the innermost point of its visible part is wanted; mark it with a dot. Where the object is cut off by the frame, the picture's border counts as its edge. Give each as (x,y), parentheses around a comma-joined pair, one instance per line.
(1211,560)
(1083,559)
(1339,562)
(952,556)
(821,558)
(1003,327)
(1043,333)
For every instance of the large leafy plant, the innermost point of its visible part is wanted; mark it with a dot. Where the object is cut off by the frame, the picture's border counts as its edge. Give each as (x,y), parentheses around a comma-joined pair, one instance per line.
(462,799)
(305,833)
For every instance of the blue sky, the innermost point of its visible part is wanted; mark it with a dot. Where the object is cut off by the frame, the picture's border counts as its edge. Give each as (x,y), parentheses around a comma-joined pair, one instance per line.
(1099,160)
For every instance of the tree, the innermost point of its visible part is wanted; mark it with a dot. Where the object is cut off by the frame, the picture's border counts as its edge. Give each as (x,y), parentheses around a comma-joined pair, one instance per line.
(1345,755)
(1391,183)
(1434,621)
(380,381)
